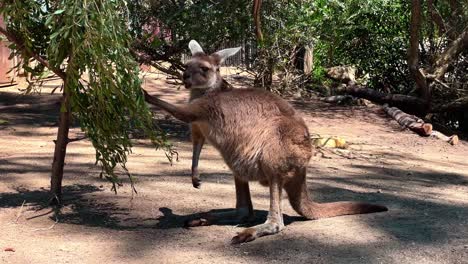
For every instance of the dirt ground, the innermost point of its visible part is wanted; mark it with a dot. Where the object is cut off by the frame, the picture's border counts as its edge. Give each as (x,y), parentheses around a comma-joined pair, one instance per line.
(423,181)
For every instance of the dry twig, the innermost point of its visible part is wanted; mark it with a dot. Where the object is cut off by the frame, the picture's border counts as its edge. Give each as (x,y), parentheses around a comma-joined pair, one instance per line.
(18,215)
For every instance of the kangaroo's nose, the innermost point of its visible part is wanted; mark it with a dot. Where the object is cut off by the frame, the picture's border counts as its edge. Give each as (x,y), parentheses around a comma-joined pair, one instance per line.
(186,80)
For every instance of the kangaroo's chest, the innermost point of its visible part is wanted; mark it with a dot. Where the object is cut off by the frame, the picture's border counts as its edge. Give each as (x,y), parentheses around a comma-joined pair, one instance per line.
(211,135)
(239,153)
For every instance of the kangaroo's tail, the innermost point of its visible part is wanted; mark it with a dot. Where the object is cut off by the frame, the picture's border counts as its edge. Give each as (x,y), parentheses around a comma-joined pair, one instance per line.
(303,205)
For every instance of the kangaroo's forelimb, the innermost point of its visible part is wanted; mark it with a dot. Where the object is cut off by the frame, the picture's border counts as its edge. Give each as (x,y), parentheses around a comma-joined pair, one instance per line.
(197,140)
(185,113)
(202,77)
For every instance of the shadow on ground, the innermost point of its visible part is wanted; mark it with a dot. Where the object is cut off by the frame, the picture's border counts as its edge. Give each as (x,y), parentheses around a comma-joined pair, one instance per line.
(34,110)
(418,212)
(414,214)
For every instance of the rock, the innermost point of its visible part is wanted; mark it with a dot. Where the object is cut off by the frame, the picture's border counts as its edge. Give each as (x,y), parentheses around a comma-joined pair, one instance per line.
(343,74)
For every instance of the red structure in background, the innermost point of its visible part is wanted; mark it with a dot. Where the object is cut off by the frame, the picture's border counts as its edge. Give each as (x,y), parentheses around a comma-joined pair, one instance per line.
(5,64)
(155,30)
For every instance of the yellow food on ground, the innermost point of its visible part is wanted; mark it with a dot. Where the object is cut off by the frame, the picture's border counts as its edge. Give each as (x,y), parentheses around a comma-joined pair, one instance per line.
(330,142)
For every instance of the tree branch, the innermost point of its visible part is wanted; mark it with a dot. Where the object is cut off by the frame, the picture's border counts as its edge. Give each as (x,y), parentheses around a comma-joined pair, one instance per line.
(407,103)
(443,61)
(456,105)
(456,14)
(436,17)
(20,46)
(256,15)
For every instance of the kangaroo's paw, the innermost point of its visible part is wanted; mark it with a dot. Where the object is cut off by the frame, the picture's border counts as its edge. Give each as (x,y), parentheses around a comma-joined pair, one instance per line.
(204,220)
(196,182)
(251,233)
(198,222)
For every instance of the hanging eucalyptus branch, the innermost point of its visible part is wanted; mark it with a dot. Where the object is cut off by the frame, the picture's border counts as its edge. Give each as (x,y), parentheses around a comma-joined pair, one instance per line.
(102,78)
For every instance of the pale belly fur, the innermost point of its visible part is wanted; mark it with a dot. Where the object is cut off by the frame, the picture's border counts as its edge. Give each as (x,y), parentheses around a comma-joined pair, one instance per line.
(242,149)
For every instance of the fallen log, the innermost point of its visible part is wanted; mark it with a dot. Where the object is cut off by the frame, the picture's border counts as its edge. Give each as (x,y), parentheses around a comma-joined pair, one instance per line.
(407,103)
(411,122)
(337,99)
(452,140)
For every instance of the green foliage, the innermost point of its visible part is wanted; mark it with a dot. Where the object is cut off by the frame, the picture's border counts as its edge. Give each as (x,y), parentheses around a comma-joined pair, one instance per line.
(90,41)
(371,35)
(286,30)
(318,73)
(287,23)
(211,23)
(26,18)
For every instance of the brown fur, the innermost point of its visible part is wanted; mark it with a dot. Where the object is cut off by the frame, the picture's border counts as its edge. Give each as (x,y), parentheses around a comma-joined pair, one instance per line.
(195,76)
(261,138)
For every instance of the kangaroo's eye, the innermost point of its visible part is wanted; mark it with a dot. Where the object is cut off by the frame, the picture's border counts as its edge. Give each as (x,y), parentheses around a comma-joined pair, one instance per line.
(205,69)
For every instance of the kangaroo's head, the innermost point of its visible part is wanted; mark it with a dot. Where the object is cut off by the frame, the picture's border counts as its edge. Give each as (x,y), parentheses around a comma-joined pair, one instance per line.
(202,70)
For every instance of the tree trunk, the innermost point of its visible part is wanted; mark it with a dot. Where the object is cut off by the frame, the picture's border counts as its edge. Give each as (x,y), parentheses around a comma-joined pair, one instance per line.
(266,77)
(309,59)
(64,120)
(413,54)
(60,148)
(456,9)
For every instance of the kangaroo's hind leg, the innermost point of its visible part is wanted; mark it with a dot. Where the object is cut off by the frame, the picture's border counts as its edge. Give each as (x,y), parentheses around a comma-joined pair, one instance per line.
(274,222)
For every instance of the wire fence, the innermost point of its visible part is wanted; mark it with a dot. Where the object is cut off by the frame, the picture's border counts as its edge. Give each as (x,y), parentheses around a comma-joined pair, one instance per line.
(244,58)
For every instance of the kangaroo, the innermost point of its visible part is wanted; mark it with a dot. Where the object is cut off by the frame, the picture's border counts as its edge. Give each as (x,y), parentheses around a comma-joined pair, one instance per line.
(261,138)
(202,76)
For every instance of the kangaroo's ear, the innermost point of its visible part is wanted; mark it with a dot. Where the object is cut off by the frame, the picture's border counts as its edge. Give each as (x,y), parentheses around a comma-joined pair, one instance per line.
(226,53)
(195,47)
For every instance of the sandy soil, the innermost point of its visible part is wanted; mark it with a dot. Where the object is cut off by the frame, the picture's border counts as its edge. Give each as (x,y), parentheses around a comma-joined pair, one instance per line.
(423,181)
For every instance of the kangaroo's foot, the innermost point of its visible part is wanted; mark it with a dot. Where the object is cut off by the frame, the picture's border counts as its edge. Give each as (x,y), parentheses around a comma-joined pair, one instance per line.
(233,217)
(251,233)
(274,222)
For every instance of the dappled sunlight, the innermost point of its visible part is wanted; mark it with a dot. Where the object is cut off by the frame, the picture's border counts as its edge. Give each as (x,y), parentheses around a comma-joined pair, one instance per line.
(422,181)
